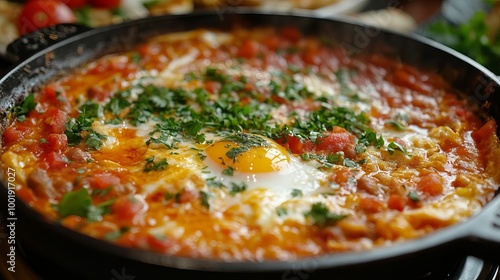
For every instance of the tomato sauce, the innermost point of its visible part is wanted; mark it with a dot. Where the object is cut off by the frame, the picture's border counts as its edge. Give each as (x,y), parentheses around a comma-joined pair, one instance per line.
(353,152)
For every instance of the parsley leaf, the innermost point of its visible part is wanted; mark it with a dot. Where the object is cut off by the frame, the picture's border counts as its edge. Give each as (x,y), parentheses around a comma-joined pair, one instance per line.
(281,211)
(413,195)
(245,142)
(151,165)
(297,193)
(204,197)
(228,171)
(76,129)
(237,188)
(394,146)
(94,139)
(79,203)
(116,234)
(396,125)
(368,137)
(22,110)
(320,215)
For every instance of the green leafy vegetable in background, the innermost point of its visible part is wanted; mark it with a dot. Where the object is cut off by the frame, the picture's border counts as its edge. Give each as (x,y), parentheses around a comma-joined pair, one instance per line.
(472,38)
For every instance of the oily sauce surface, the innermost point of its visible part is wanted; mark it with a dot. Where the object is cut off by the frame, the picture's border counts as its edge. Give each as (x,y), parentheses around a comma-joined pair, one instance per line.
(250,145)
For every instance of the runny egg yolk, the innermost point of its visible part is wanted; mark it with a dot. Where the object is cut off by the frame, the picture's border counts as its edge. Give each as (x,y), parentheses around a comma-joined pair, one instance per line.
(270,157)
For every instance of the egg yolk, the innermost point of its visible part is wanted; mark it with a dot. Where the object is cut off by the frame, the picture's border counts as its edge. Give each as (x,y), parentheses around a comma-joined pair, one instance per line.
(262,159)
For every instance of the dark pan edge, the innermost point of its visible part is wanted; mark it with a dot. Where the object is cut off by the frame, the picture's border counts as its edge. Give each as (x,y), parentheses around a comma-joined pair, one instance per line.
(376,256)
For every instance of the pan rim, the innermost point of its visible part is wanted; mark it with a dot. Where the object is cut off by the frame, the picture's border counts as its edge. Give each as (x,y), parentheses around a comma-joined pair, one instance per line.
(375,255)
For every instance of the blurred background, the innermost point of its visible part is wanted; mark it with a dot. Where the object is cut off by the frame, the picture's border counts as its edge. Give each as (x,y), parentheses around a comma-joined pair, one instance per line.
(468,26)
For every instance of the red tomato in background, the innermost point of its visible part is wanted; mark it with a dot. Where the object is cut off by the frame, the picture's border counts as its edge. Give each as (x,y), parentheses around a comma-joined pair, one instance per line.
(105,4)
(73,4)
(37,14)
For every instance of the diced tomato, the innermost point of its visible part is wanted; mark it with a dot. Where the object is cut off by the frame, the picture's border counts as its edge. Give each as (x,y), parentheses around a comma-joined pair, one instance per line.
(149,49)
(291,34)
(159,243)
(272,43)
(249,87)
(370,205)
(98,93)
(486,131)
(212,86)
(129,239)
(52,92)
(72,221)
(129,208)
(55,119)
(245,101)
(56,142)
(311,57)
(431,184)
(104,180)
(338,140)
(249,49)
(146,241)
(397,202)
(56,160)
(188,195)
(124,67)
(26,194)
(279,99)
(295,145)
(342,176)
(15,133)
(406,79)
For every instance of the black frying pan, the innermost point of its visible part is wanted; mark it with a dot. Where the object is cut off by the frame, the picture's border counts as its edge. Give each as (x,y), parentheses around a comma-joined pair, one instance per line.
(82,257)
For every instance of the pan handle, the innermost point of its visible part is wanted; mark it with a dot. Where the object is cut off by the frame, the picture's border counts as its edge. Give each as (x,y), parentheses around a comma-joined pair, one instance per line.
(33,42)
(485,232)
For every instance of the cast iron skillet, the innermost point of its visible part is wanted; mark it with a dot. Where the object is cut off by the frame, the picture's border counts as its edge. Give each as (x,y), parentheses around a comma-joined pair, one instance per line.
(81,257)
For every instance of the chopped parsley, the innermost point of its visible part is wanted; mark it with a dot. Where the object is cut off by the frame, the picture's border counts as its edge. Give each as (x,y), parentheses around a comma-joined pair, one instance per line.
(151,165)
(101,192)
(413,195)
(94,139)
(237,188)
(396,125)
(329,160)
(79,203)
(321,216)
(116,234)
(204,199)
(212,182)
(281,211)
(79,128)
(245,142)
(367,138)
(172,196)
(228,171)
(22,110)
(394,146)
(297,193)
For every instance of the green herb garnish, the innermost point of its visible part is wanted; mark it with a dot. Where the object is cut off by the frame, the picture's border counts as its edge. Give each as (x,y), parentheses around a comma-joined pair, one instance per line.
(320,215)
(79,203)
(151,165)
